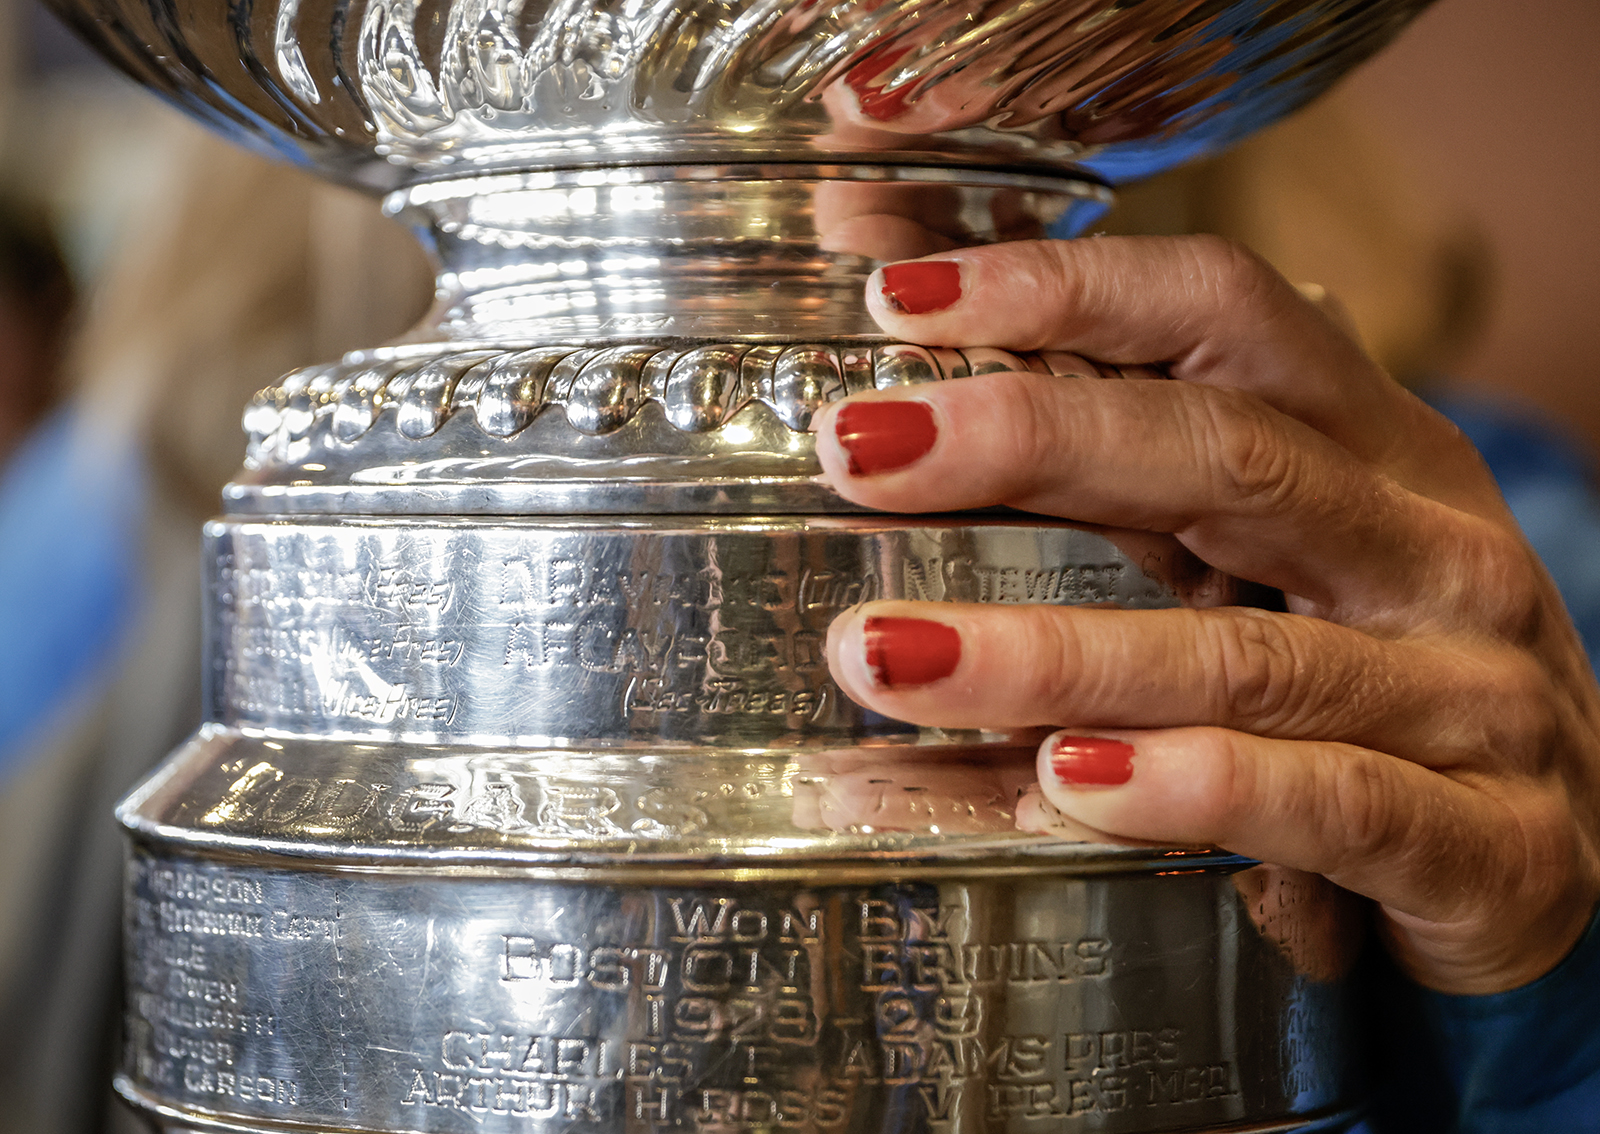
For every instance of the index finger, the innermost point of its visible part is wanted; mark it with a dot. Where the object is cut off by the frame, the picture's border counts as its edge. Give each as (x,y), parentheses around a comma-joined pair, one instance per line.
(1209,309)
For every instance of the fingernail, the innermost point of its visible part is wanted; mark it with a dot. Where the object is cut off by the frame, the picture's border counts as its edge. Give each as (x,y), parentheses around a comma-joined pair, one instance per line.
(1096,761)
(910,651)
(883,436)
(920,286)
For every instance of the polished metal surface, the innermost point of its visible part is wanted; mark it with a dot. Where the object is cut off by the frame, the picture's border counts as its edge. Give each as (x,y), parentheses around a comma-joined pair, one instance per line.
(586,812)
(1017,1000)
(382,91)
(642,426)
(613,632)
(525,801)
(757,252)
(618,341)
(560,825)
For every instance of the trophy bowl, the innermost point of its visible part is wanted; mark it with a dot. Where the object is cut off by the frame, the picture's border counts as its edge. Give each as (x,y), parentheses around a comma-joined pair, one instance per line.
(525,802)
(387,91)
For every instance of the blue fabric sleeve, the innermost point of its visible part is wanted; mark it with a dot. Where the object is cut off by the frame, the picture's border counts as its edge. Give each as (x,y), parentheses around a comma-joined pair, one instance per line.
(1520,1062)
(1548,478)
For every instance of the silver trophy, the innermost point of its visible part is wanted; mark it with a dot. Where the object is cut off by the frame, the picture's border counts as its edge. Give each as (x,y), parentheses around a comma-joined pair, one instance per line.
(526,803)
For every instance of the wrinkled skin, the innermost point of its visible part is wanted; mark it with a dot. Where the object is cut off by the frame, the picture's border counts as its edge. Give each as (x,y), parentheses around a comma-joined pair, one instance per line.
(1421,726)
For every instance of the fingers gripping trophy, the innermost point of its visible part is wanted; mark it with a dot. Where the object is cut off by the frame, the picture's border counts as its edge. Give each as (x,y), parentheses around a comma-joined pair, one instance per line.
(526,802)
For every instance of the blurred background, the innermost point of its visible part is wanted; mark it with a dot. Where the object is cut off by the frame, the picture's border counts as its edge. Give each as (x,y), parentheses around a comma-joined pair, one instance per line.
(151,278)
(1493,108)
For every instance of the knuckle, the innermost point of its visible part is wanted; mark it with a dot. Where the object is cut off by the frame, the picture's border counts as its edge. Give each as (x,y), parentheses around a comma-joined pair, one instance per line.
(1261,666)
(1055,269)
(1525,854)
(1051,673)
(1243,446)
(1229,798)
(1498,583)
(1024,410)
(1519,606)
(1495,707)
(1227,269)
(1362,806)
(1552,848)
(1520,711)
(1057,277)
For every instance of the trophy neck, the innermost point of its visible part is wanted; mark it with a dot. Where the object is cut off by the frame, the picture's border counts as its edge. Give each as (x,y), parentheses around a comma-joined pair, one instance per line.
(773,252)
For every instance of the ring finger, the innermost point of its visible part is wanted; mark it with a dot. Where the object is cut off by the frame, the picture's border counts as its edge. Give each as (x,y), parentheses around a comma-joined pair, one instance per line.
(956,665)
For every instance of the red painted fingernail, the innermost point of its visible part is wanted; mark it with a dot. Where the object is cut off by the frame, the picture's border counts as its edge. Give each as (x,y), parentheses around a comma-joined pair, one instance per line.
(883,436)
(910,651)
(1091,760)
(921,286)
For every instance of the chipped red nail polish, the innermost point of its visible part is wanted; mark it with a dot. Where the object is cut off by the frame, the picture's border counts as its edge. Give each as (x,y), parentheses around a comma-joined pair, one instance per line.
(921,286)
(910,651)
(1091,761)
(884,436)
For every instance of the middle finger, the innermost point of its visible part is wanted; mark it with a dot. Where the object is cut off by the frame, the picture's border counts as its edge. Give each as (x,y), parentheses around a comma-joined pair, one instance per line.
(969,665)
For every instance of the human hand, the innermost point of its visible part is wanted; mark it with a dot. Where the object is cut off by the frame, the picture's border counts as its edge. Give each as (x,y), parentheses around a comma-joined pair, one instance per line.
(1421,726)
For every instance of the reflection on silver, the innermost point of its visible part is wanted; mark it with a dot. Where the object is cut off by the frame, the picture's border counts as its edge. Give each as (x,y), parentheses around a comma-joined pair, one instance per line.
(526,802)
(376,91)
(750,251)
(1003,1001)
(619,633)
(657,425)
(560,825)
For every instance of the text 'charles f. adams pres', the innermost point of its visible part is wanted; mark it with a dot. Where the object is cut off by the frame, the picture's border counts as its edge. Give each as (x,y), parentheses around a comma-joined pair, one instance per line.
(526,803)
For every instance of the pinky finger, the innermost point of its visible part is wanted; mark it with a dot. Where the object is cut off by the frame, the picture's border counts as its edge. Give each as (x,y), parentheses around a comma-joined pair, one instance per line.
(1452,865)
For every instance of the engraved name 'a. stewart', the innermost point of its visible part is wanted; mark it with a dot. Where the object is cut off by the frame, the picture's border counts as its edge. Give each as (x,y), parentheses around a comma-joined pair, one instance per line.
(963,579)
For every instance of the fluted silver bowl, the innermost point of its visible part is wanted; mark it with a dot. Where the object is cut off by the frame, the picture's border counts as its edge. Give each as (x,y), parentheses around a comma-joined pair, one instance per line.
(381,91)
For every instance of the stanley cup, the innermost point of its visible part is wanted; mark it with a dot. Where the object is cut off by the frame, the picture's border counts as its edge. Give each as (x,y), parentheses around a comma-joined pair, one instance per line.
(525,803)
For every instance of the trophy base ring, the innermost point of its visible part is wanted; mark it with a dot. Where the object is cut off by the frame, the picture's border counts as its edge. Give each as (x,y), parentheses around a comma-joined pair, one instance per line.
(282,995)
(175,1120)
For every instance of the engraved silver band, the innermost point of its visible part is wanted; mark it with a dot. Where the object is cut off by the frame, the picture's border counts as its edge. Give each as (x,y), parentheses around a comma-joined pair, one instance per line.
(182,1121)
(431,1001)
(582,632)
(697,812)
